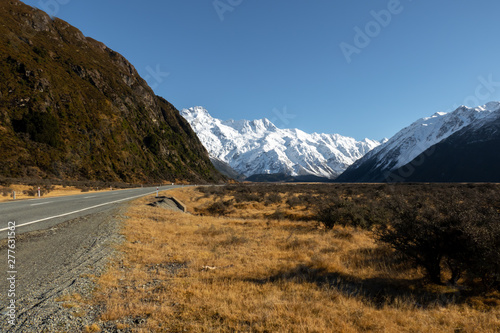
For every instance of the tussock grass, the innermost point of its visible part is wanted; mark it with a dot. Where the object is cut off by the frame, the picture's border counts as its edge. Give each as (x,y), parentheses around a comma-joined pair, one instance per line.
(187,273)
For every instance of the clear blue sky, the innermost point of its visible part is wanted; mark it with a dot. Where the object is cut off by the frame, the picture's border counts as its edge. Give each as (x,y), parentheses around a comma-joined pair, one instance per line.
(256,56)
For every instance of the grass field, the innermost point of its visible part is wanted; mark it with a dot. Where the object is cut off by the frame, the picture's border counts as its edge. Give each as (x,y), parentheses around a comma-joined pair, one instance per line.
(58,191)
(189,273)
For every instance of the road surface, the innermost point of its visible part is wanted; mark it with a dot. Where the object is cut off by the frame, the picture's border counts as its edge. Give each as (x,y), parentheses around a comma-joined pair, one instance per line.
(61,244)
(44,213)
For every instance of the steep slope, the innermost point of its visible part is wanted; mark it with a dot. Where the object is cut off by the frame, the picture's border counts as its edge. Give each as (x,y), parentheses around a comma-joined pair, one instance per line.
(258,147)
(470,155)
(414,145)
(226,169)
(71,108)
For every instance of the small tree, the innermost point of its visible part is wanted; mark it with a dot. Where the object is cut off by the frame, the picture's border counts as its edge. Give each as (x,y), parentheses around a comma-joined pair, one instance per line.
(416,236)
(436,233)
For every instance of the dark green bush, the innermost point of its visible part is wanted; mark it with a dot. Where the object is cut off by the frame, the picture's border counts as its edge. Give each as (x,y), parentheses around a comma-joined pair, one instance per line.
(443,233)
(293,201)
(248,197)
(219,208)
(152,142)
(42,127)
(345,213)
(272,198)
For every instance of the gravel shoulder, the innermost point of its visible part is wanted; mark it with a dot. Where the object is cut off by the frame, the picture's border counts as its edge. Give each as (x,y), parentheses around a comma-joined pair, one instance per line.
(54,266)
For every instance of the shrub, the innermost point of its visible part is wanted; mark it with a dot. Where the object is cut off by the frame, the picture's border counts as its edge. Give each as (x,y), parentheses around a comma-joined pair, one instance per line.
(152,142)
(5,181)
(219,208)
(32,191)
(328,216)
(248,197)
(344,213)
(293,201)
(446,233)
(84,189)
(278,214)
(5,191)
(42,127)
(307,199)
(44,189)
(272,198)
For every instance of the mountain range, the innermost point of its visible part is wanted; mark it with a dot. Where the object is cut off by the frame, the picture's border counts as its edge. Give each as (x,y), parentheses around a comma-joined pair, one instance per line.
(259,150)
(460,146)
(72,108)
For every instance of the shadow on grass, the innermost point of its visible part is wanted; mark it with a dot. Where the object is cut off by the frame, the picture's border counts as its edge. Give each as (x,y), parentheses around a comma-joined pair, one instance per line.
(378,291)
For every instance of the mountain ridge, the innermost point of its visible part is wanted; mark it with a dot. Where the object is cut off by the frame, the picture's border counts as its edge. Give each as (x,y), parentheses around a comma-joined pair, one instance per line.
(71,108)
(416,145)
(258,147)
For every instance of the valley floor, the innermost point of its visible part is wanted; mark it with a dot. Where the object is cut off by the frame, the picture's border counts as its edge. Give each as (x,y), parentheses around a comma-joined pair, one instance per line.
(266,266)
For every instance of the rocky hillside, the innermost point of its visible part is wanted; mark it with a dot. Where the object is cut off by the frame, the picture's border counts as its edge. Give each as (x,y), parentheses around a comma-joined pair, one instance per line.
(71,108)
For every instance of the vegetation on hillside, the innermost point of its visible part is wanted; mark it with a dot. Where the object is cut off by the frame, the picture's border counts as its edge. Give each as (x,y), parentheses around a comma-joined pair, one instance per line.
(71,108)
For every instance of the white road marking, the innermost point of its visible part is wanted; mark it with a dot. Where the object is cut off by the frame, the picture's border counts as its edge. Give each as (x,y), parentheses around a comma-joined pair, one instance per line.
(77,211)
(41,203)
(90,197)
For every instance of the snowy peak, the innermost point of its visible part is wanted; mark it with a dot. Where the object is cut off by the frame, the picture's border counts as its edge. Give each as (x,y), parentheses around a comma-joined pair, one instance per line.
(412,141)
(426,132)
(255,127)
(199,113)
(491,107)
(253,147)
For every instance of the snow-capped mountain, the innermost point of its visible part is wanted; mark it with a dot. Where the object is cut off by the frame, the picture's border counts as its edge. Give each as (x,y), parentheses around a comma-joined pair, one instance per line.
(413,146)
(258,147)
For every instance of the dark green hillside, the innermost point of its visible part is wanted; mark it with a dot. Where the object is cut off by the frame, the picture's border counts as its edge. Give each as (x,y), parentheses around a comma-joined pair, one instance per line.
(71,108)
(471,155)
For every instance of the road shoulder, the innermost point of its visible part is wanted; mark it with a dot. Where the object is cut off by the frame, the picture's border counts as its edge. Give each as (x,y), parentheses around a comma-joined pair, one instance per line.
(54,267)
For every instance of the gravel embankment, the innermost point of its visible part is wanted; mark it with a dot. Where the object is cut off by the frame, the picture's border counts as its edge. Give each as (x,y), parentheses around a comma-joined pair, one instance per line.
(54,265)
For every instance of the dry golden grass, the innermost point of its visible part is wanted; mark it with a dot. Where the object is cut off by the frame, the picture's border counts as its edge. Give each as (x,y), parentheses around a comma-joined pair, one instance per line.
(197,203)
(92,328)
(59,191)
(185,273)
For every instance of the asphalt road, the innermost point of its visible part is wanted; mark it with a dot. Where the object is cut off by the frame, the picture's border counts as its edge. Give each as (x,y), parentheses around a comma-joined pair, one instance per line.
(44,213)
